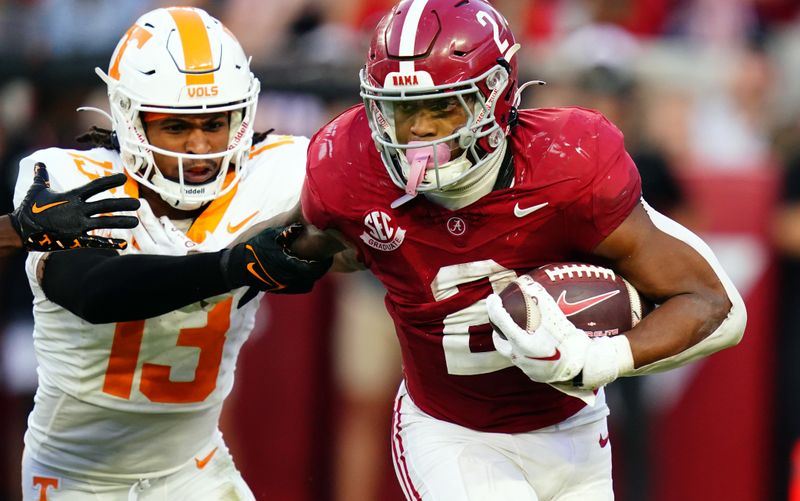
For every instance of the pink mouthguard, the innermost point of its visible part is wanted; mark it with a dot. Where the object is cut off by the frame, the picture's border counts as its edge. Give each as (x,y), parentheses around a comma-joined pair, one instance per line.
(422,159)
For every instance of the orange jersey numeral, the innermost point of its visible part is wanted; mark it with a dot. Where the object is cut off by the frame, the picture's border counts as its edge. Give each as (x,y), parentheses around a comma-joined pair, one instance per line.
(155,382)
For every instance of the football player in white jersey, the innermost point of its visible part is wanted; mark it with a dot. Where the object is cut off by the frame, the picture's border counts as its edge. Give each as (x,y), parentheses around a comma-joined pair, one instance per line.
(137,348)
(50,221)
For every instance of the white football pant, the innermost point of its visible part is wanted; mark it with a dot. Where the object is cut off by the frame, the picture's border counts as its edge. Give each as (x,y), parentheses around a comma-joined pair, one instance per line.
(440,461)
(209,476)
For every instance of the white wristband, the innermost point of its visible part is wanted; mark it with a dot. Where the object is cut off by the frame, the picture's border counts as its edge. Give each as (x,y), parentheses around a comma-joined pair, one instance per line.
(607,359)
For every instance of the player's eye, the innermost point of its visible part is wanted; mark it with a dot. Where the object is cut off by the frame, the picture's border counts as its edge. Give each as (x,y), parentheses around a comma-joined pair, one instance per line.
(174,126)
(215,125)
(407,108)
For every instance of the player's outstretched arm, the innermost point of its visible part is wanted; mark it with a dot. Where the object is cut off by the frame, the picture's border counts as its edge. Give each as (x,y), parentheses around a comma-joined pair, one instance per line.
(101,286)
(50,221)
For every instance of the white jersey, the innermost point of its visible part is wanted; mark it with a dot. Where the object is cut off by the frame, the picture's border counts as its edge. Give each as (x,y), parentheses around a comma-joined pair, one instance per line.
(141,397)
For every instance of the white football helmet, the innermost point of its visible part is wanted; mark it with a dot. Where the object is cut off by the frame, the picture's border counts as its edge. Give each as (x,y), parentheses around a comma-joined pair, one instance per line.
(180,60)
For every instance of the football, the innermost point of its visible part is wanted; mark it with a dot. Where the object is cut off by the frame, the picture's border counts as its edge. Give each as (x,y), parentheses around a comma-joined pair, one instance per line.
(595,299)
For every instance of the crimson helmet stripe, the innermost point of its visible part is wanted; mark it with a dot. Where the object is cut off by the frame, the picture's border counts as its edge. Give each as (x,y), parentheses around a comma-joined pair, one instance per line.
(408,36)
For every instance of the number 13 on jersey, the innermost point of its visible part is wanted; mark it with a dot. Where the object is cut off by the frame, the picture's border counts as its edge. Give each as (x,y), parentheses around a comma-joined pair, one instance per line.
(155,381)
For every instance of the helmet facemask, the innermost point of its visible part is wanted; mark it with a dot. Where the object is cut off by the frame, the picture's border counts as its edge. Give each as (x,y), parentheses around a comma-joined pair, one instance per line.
(137,151)
(471,146)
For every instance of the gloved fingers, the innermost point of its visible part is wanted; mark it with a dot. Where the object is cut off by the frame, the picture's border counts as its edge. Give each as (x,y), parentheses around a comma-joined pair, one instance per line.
(500,318)
(289,234)
(99,185)
(102,242)
(502,345)
(552,317)
(536,345)
(40,175)
(104,222)
(111,205)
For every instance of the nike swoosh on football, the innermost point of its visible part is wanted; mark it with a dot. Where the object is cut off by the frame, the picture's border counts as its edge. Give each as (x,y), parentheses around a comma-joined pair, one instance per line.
(570,309)
(551,358)
(201,463)
(520,212)
(233,228)
(36,209)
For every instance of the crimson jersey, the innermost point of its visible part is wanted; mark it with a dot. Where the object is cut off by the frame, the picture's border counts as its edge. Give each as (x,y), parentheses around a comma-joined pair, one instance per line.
(574,184)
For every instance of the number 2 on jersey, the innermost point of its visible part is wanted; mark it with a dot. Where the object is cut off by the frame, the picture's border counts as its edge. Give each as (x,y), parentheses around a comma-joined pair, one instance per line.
(460,359)
(155,379)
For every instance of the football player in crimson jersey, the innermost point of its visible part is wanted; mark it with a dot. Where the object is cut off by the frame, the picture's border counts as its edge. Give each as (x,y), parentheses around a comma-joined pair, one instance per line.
(446,191)
(137,348)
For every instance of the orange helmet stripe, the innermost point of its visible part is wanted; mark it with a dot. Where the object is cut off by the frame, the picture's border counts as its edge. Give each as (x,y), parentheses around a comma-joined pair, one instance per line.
(196,45)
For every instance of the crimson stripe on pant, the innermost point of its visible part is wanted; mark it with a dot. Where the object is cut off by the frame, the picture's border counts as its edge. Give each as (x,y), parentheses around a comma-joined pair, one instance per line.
(400,466)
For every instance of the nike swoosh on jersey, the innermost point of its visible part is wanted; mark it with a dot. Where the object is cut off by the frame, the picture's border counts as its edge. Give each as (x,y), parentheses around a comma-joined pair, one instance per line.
(36,209)
(570,309)
(520,212)
(555,356)
(201,463)
(233,228)
(603,441)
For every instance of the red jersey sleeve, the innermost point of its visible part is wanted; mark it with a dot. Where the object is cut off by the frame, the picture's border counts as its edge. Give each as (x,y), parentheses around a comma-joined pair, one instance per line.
(614,188)
(314,211)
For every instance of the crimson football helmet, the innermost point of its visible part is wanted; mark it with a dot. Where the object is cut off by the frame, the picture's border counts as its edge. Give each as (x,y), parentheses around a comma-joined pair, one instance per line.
(180,60)
(434,49)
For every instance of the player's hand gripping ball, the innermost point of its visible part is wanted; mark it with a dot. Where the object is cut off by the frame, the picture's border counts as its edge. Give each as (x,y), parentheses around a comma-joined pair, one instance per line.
(545,320)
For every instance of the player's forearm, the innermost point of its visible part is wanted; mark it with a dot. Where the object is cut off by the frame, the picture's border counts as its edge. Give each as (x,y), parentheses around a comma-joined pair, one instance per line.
(678,324)
(102,287)
(9,239)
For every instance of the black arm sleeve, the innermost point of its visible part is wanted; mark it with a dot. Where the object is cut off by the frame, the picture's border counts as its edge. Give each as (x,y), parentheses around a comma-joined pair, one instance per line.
(101,286)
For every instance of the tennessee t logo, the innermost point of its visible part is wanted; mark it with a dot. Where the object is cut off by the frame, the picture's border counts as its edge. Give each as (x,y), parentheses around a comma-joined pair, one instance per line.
(570,309)
(44,483)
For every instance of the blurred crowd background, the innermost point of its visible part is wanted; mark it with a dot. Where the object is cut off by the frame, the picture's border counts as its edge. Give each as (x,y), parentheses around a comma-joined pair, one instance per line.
(707,93)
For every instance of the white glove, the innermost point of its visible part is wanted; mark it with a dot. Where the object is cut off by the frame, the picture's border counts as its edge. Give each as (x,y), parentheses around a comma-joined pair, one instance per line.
(158,235)
(555,351)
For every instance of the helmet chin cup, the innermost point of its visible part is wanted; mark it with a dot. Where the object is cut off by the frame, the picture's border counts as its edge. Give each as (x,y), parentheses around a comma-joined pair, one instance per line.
(174,193)
(496,137)
(466,138)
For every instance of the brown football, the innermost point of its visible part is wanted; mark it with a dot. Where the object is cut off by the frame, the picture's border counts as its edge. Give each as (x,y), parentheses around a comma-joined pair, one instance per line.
(595,299)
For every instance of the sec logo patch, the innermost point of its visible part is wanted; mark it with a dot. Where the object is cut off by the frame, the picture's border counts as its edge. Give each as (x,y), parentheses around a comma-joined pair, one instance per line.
(382,232)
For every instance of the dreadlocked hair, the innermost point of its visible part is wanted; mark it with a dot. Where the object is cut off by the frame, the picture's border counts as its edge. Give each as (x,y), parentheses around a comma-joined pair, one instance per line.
(260,136)
(97,137)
